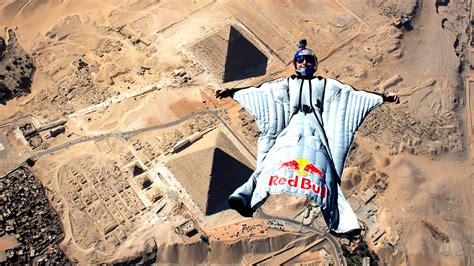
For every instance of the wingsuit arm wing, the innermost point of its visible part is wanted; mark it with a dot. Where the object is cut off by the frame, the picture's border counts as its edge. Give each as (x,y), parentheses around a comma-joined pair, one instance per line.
(345,110)
(268,104)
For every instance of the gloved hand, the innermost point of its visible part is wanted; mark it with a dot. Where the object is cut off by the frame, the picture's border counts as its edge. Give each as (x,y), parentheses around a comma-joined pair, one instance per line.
(391,98)
(224,93)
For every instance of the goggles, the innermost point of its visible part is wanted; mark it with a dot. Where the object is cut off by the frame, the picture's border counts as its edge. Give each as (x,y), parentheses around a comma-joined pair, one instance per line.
(311,60)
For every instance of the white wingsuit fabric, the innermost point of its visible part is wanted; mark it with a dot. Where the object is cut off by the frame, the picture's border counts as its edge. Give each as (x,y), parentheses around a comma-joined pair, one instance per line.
(306,124)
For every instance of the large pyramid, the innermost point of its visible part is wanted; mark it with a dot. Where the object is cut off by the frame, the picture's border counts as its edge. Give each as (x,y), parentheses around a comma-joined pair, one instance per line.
(210,170)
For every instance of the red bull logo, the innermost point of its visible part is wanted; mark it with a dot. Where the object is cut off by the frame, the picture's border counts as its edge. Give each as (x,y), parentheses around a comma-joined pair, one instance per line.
(301,168)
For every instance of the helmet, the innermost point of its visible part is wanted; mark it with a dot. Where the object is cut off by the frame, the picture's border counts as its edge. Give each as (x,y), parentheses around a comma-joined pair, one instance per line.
(305,54)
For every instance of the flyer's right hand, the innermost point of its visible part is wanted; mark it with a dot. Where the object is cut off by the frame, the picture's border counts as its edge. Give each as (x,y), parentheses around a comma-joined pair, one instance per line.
(391,98)
(224,93)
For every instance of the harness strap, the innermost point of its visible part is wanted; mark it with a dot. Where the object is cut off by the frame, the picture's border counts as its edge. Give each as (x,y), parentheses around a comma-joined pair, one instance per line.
(299,103)
(318,116)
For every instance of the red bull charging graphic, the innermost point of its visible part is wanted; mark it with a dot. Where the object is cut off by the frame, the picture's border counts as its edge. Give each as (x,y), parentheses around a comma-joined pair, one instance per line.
(303,175)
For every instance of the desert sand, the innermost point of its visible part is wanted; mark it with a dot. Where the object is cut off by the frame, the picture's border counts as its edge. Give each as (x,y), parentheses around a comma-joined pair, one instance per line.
(96,95)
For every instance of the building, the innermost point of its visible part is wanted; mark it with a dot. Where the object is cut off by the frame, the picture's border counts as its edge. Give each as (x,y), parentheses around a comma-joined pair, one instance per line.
(369,194)
(376,233)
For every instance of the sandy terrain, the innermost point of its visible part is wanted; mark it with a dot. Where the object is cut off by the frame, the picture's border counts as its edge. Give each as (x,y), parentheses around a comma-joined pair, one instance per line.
(116,84)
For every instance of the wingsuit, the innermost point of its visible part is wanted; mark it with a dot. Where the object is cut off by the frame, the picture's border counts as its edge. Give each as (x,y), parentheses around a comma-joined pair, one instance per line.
(307,126)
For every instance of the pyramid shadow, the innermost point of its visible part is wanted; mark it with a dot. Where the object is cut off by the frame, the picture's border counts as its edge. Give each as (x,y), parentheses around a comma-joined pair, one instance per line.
(227,174)
(243,59)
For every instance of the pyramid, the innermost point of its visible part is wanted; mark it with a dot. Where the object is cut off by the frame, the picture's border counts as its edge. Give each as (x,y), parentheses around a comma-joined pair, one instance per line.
(230,55)
(221,169)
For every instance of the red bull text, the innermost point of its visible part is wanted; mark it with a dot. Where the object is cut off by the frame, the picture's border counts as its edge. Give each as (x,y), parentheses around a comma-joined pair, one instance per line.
(301,167)
(305,183)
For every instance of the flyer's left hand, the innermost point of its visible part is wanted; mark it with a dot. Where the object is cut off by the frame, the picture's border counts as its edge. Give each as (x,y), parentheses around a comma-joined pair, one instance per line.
(223,93)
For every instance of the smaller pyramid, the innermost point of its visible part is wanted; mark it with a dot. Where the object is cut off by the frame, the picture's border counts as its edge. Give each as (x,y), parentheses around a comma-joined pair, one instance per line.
(230,55)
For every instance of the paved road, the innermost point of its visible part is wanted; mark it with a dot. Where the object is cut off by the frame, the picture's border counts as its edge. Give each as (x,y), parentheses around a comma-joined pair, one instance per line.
(127,134)
(124,135)
(313,228)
